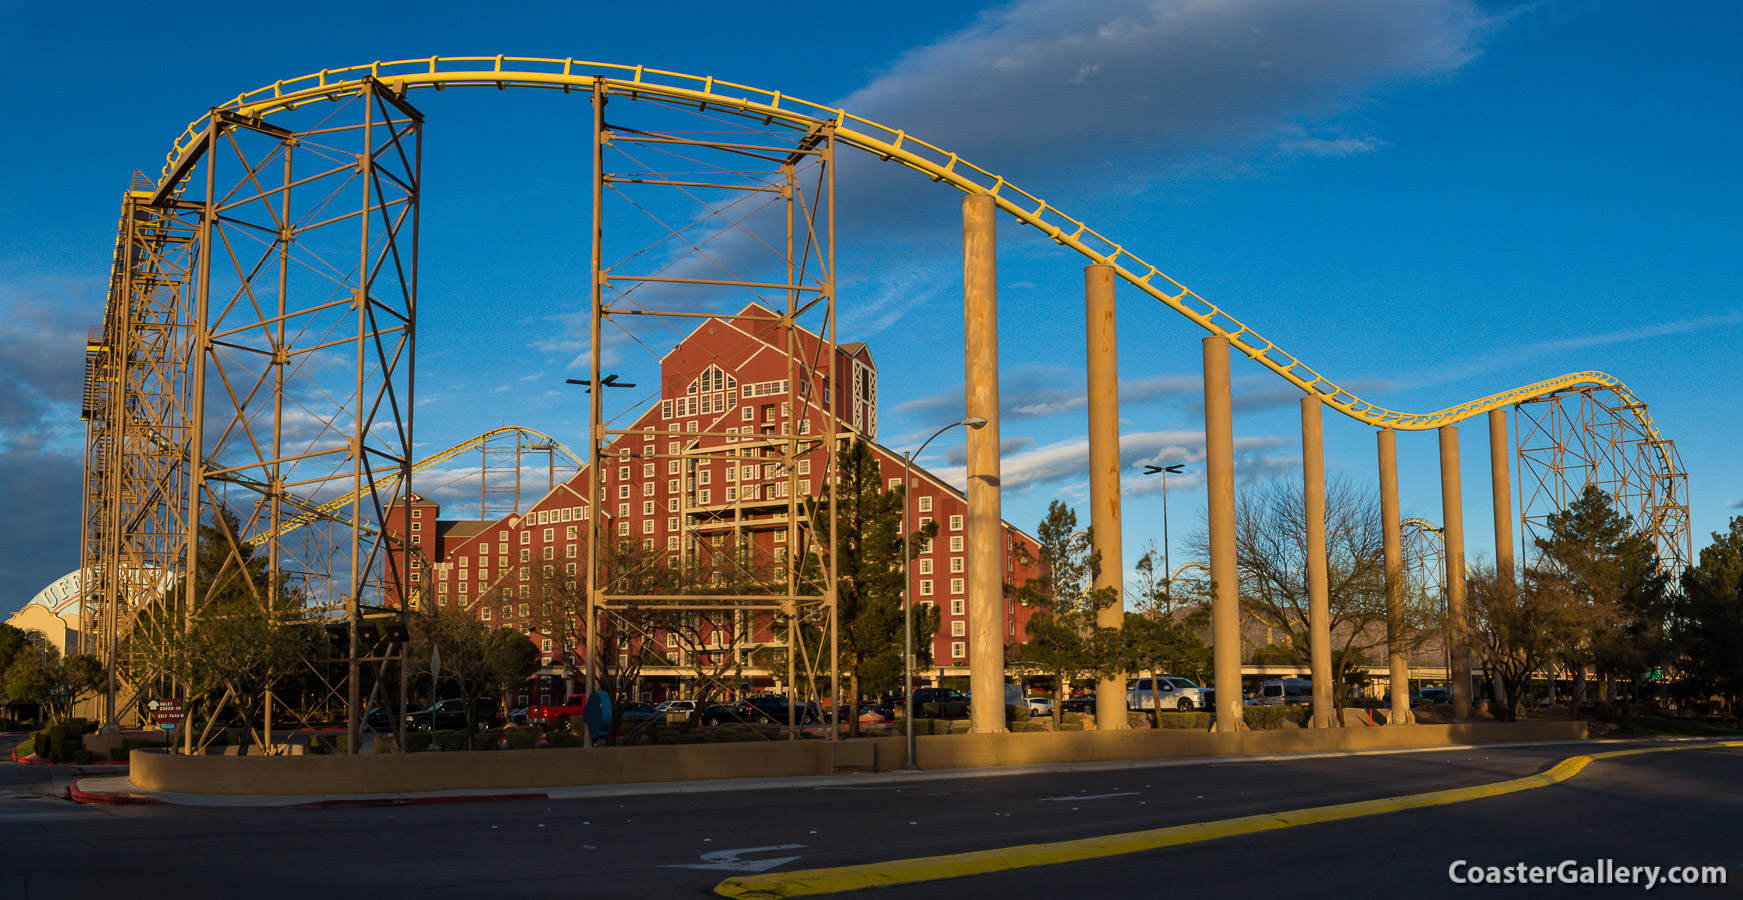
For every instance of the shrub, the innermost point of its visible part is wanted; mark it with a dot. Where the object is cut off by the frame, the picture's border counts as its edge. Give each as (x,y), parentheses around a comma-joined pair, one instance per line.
(118,754)
(1265,718)
(564,739)
(1027,726)
(385,743)
(27,747)
(1137,719)
(1071,718)
(451,740)
(959,729)
(1184,720)
(521,738)
(81,757)
(486,740)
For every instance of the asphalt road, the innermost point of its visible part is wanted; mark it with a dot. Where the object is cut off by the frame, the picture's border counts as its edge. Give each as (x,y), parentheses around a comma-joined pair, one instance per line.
(1681,808)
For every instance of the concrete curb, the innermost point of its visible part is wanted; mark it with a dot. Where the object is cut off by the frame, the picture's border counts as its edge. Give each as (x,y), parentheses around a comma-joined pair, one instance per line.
(117,790)
(34,760)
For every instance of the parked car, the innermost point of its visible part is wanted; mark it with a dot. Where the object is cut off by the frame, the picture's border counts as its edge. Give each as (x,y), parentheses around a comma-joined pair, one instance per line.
(677,706)
(1169,691)
(1431,695)
(773,708)
(1078,703)
(1209,695)
(725,713)
(516,716)
(1040,706)
(450,715)
(384,719)
(923,696)
(641,715)
(1286,692)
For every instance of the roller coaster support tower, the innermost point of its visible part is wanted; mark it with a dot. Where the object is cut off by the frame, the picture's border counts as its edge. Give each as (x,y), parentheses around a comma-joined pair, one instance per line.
(257,348)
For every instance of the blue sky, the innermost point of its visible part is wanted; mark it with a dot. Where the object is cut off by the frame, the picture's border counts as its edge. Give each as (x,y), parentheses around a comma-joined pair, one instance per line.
(1427,201)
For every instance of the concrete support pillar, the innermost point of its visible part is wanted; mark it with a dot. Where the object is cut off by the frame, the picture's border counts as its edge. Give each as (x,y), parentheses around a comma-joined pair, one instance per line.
(1104,475)
(1453,520)
(985,556)
(1219,477)
(1318,597)
(1398,663)
(1501,482)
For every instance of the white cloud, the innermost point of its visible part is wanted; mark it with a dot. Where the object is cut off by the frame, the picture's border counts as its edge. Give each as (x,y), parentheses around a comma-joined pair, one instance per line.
(1069,459)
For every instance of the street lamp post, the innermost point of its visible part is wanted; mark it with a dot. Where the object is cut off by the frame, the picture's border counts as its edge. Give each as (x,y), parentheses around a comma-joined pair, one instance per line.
(1164,470)
(908,585)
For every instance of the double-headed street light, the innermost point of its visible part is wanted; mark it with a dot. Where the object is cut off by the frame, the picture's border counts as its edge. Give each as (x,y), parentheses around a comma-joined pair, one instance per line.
(908,583)
(1165,471)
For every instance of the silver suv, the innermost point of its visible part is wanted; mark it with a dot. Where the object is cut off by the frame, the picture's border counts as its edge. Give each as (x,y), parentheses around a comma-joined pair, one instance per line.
(1170,692)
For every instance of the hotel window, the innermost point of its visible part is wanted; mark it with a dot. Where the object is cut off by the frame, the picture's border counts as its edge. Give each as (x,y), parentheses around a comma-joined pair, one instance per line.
(958,649)
(569,551)
(671,504)
(956,585)
(672,486)
(526,537)
(925,504)
(955,523)
(623,492)
(622,509)
(623,528)
(417,526)
(572,532)
(895,484)
(672,524)
(647,507)
(956,606)
(672,448)
(672,542)
(959,628)
(583,512)
(665,413)
(550,535)
(550,553)
(647,470)
(647,543)
(956,564)
(781,536)
(545,647)
(692,425)
(731,494)
(647,526)
(748,414)
(623,473)
(956,544)
(484,614)
(703,476)
(925,567)
(804,467)
(523,610)
(417,513)
(702,497)
(465,561)
(525,555)
(525,572)
(647,489)
(569,569)
(926,587)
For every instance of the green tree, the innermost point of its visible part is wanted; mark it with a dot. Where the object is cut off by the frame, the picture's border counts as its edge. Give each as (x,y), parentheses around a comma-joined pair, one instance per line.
(475,657)
(1516,627)
(58,684)
(1708,629)
(12,641)
(870,574)
(1163,634)
(1064,640)
(246,632)
(1615,570)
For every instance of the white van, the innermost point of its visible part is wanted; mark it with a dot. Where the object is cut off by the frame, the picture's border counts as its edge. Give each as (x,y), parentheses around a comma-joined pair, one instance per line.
(1286,692)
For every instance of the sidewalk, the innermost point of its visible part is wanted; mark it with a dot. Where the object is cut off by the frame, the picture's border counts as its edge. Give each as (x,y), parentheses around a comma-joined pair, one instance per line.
(118,791)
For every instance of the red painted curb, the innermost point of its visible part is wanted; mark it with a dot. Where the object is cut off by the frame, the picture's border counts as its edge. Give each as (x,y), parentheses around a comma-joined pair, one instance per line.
(79,796)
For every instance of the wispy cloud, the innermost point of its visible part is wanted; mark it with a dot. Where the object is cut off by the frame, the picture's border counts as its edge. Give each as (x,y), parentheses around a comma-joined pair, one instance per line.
(1063,461)
(1536,351)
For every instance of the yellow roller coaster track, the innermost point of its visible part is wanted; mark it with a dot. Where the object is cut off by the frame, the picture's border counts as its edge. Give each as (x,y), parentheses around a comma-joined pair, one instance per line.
(333,509)
(889,144)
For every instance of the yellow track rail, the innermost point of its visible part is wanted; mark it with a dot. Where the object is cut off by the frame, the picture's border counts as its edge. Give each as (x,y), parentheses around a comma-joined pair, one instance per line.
(890,144)
(332,508)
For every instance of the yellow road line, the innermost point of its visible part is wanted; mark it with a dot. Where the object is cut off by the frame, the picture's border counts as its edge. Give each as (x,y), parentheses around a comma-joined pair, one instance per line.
(979,862)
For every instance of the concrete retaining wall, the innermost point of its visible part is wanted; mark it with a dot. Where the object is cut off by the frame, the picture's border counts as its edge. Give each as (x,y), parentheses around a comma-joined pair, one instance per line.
(387,773)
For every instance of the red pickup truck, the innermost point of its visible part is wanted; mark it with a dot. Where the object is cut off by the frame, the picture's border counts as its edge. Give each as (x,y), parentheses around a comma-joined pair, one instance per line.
(557,716)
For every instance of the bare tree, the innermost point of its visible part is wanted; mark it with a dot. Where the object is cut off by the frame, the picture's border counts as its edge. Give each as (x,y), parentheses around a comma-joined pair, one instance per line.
(1517,627)
(1271,553)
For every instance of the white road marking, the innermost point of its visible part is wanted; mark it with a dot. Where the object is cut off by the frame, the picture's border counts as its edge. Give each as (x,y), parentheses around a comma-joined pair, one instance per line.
(1087,797)
(729,861)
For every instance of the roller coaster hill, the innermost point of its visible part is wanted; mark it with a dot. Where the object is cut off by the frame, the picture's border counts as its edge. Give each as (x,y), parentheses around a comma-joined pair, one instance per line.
(258,346)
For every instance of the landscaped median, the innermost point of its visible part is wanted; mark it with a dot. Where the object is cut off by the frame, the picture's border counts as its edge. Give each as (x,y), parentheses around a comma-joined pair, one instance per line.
(396,773)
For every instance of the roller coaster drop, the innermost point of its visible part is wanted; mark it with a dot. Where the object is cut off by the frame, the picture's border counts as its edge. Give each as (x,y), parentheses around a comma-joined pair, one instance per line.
(258,346)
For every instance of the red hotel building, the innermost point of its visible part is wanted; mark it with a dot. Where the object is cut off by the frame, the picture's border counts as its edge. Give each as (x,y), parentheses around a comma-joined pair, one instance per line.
(693,492)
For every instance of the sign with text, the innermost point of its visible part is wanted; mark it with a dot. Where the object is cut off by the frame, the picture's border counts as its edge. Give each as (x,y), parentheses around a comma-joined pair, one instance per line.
(166,712)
